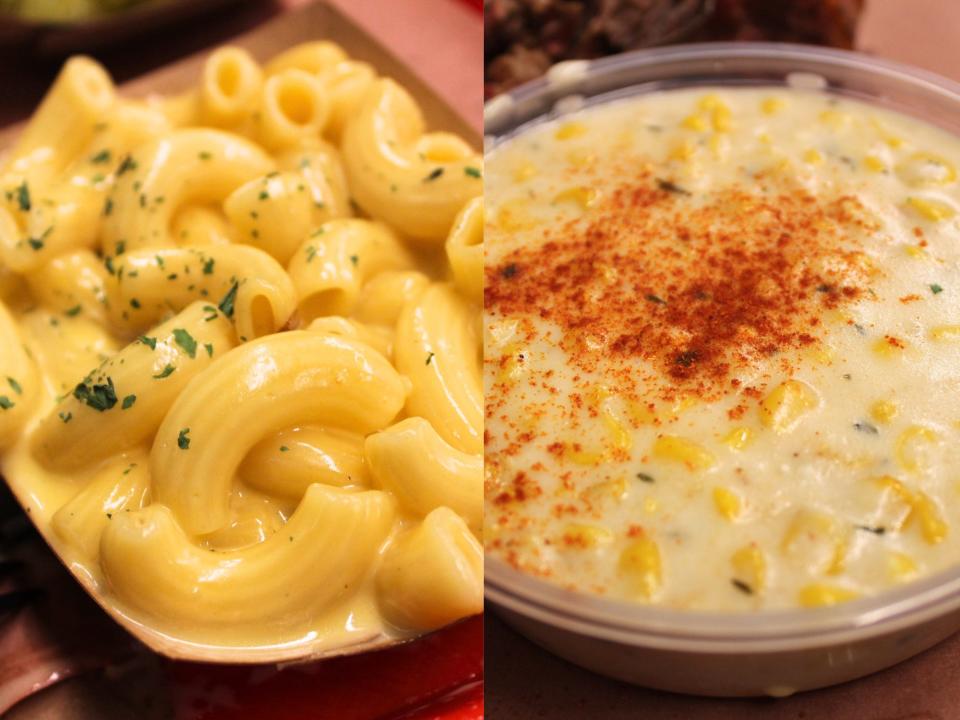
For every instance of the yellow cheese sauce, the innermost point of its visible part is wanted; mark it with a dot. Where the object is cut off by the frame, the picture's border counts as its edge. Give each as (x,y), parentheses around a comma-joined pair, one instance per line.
(722,349)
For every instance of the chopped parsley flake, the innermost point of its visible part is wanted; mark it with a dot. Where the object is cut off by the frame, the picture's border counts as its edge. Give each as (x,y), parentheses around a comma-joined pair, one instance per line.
(354,259)
(209,348)
(213,313)
(671,187)
(429,358)
(264,195)
(742,586)
(166,372)
(120,248)
(434,174)
(108,206)
(128,163)
(23,196)
(74,311)
(66,417)
(101,157)
(128,401)
(936,289)
(150,342)
(183,442)
(644,477)
(226,305)
(866,427)
(186,341)
(472,172)
(100,397)
(284,448)
(656,299)
(134,303)
(15,386)
(208,266)
(5,403)
(204,155)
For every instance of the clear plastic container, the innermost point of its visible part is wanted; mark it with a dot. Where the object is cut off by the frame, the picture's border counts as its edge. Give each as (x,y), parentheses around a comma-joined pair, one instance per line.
(773,652)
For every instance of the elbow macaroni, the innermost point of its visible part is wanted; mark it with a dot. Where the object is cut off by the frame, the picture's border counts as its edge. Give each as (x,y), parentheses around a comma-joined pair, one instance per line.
(245,417)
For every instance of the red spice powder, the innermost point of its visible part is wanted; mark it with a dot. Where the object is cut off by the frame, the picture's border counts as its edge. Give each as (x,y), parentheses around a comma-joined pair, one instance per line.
(698,287)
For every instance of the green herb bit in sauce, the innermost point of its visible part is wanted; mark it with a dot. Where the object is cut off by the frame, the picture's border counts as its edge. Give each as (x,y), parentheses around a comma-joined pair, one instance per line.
(226,305)
(98,396)
(128,401)
(183,442)
(166,372)
(185,340)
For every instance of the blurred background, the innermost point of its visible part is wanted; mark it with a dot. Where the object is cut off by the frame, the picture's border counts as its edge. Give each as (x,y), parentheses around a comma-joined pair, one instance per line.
(524,37)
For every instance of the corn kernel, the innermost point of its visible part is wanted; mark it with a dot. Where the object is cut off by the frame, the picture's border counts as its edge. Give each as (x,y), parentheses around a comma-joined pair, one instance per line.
(641,413)
(619,436)
(727,503)
(786,405)
(570,130)
(586,536)
(813,156)
(721,117)
(915,251)
(834,118)
(514,215)
(694,122)
(709,102)
(946,333)
(821,595)
(524,172)
(932,525)
(933,210)
(883,411)
(771,105)
(901,567)
(816,540)
(738,438)
(577,455)
(640,564)
(889,346)
(615,490)
(912,445)
(750,567)
(512,367)
(926,170)
(583,196)
(874,164)
(896,504)
(682,151)
(681,450)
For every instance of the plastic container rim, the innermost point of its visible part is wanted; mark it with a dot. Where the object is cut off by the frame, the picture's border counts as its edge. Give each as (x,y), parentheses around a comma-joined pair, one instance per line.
(764,630)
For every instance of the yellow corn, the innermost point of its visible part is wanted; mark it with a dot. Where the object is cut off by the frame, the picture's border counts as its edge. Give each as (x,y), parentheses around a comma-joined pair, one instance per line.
(579,456)
(786,405)
(513,367)
(874,164)
(682,450)
(586,536)
(650,505)
(514,215)
(583,196)
(615,489)
(721,117)
(821,594)
(750,567)
(933,210)
(926,170)
(771,105)
(738,438)
(524,172)
(932,525)
(889,347)
(883,411)
(834,118)
(727,503)
(915,251)
(694,122)
(641,413)
(901,567)
(618,433)
(911,446)
(570,130)
(813,156)
(683,150)
(815,539)
(946,333)
(640,564)
(896,503)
